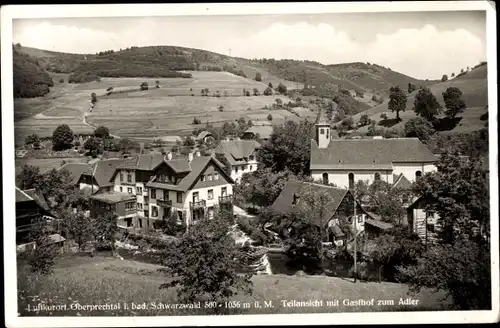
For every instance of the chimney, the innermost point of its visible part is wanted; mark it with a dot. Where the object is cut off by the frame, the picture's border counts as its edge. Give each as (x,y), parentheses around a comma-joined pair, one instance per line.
(198,154)
(190,157)
(169,156)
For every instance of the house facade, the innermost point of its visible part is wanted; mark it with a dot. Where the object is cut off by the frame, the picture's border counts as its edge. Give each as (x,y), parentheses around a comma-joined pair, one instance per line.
(344,162)
(122,204)
(424,223)
(238,156)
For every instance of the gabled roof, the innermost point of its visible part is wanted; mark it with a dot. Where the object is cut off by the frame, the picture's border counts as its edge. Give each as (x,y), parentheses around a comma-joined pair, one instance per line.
(76,170)
(22,196)
(235,151)
(202,135)
(402,182)
(284,202)
(37,196)
(197,165)
(105,169)
(264,131)
(180,165)
(369,153)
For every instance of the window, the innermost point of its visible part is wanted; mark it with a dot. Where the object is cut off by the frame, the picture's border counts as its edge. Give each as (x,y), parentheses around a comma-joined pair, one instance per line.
(153,193)
(429,214)
(139,206)
(146,213)
(121,189)
(325,178)
(295,199)
(216,176)
(129,177)
(202,178)
(209,177)
(351,180)
(129,222)
(360,218)
(165,195)
(129,190)
(146,200)
(139,190)
(129,205)
(121,177)
(179,197)
(210,194)
(377,176)
(250,167)
(235,169)
(418,174)
(430,227)
(224,191)
(321,131)
(154,211)
(251,157)
(327,133)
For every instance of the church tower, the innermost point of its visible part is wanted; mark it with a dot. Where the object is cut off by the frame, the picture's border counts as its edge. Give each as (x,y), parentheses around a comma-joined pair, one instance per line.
(322,131)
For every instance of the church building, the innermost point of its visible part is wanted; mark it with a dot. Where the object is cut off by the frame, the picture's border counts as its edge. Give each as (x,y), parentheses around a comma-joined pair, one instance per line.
(343,162)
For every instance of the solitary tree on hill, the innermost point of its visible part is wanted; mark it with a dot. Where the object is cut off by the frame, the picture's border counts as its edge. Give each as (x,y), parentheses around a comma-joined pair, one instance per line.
(256,92)
(444,78)
(426,104)
(270,85)
(453,101)
(269,117)
(268,91)
(397,101)
(93,98)
(282,88)
(258,77)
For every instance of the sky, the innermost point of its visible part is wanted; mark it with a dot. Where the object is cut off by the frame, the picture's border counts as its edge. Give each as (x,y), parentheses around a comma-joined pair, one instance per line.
(423,45)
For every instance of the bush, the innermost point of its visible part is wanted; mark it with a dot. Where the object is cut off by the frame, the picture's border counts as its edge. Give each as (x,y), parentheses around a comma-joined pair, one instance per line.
(360,93)
(258,77)
(282,88)
(196,121)
(269,117)
(345,92)
(268,91)
(144,86)
(384,116)
(364,120)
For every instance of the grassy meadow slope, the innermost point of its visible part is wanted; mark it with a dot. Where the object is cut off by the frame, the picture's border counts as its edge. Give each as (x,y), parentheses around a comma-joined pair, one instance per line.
(474,87)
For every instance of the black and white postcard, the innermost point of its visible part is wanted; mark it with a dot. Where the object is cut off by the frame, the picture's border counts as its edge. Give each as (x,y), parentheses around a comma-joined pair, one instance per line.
(248,164)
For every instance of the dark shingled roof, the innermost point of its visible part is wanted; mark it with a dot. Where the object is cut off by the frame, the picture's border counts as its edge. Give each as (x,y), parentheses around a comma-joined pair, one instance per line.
(76,170)
(264,131)
(402,182)
(283,203)
(368,153)
(198,164)
(105,169)
(235,151)
(37,196)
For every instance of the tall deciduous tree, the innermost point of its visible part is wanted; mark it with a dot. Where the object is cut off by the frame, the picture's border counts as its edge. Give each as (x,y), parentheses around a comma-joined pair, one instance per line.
(79,226)
(426,104)
(205,263)
(453,101)
(288,148)
(101,132)
(62,138)
(43,256)
(282,88)
(106,229)
(420,128)
(29,177)
(397,100)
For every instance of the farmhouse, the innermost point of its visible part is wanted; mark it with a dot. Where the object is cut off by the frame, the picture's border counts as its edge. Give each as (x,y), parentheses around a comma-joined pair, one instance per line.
(122,204)
(30,205)
(339,208)
(262,132)
(238,156)
(203,137)
(344,162)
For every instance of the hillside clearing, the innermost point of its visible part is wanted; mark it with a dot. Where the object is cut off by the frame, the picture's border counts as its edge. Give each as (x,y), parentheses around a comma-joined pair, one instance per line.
(102,280)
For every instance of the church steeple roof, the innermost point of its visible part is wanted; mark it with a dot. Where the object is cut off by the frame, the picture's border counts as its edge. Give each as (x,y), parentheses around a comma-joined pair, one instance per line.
(321,119)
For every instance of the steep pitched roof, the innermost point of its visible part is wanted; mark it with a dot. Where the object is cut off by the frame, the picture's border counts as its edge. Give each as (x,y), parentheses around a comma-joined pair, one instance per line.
(76,170)
(37,196)
(402,182)
(321,119)
(105,169)
(235,151)
(197,165)
(368,153)
(284,202)
(22,196)
(264,131)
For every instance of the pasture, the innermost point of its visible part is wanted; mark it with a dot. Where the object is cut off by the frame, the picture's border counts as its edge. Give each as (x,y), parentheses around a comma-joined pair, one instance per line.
(103,279)
(474,92)
(157,112)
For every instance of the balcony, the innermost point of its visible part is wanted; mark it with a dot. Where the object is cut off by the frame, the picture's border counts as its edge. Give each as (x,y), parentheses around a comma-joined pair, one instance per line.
(199,204)
(164,202)
(226,199)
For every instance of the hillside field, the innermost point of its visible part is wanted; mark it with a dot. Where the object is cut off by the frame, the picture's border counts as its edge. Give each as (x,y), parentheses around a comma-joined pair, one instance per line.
(149,113)
(107,280)
(474,87)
